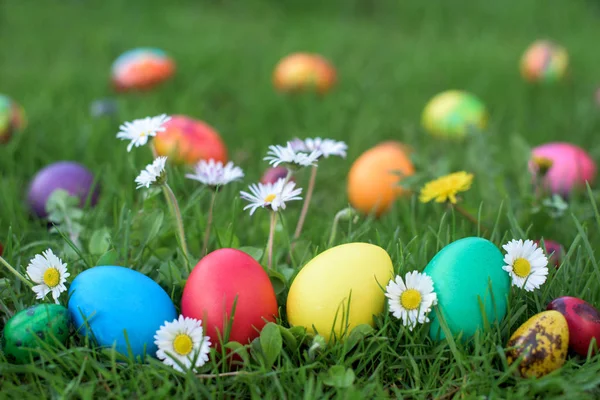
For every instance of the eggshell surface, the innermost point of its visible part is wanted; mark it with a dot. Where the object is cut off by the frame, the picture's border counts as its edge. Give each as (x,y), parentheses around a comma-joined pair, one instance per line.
(374,178)
(583,321)
(119,305)
(12,118)
(70,176)
(141,68)
(222,278)
(544,61)
(542,342)
(463,273)
(340,289)
(300,71)
(29,328)
(187,141)
(571,167)
(453,114)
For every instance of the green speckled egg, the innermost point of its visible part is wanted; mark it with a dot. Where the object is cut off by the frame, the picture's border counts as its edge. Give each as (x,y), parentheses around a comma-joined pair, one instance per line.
(542,341)
(43,322)
(463,273)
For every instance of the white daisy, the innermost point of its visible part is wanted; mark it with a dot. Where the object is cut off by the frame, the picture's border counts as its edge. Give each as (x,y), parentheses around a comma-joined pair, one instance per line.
(140,130)
(412,301)
(290,156)
(154,173)
(273,195)
(327,147)
(526,263)
(182,341)
(50,273)
(214,174)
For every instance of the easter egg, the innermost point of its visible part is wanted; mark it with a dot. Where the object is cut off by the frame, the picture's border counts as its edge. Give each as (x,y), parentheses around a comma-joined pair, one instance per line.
(571,167)
(545,62)
(542,342)
(374,178)
(340,289)
(453,114)
(12,118)
(29,328)
(554,250)
(116,306)
(141,68)
(274,174)
(225,282)
(468,278)
(300,71)
(583,321)
(66,175)
(1,249)
(187,141)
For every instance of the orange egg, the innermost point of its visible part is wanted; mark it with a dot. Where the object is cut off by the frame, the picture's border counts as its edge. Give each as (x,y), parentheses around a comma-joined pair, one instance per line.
(373,181)
(304,71)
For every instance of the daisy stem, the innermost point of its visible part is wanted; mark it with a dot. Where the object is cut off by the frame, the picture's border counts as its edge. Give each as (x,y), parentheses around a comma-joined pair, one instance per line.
(288,176)
(271,238)
(15,272)
(309,192)
(468,216)
(174,206)
(208,223)
(153,149)
(336,221)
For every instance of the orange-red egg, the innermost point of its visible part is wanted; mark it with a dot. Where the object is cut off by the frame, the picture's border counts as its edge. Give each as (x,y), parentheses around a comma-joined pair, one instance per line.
(221,279)
(141,68)
(300,71)
(187,141)
(373,181)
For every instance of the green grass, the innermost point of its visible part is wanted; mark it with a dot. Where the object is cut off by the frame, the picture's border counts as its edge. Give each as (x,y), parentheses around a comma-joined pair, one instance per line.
(391,58)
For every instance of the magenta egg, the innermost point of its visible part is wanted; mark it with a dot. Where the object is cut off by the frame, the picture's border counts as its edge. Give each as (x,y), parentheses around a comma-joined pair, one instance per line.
(554,251)
(571,167)
(583,321)
(67,175)
(272,175)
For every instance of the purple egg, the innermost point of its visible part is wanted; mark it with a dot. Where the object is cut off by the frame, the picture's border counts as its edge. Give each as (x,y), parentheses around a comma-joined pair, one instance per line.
(571,167)
(70,176)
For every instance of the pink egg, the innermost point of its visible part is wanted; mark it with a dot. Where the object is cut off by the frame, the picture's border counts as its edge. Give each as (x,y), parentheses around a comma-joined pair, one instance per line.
(554,251)
(571,167)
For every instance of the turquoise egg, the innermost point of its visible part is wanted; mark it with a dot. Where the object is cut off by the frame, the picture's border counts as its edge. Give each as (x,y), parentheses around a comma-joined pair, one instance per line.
(468,278)
(116,306)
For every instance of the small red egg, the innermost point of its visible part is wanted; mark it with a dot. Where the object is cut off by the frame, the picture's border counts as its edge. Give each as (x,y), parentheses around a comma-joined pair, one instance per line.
(1,249)
(225,277)
(554,251)
(272,175)
(583,321)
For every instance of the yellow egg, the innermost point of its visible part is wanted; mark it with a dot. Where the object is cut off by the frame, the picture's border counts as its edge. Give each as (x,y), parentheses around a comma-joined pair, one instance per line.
(340,289)
(542,341)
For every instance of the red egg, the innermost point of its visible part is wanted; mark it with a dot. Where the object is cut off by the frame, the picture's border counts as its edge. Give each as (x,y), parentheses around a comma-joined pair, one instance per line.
(583,321)
(1,249)
(554,251)
(272,175)
(221,278)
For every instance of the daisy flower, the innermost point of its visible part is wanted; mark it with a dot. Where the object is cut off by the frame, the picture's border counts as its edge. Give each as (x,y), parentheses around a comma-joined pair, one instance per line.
(526,263)
(411,301)
(273,195)
(327,147)
(214,174)
(50,274)
(290,156)
(140,130)
(154,173)
(182,341)
(446,188)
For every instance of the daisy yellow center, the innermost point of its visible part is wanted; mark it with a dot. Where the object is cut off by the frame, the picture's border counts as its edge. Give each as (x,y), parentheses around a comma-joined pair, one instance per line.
(51,277)
(410,299)
(270,198)
(183,344)
(522,268)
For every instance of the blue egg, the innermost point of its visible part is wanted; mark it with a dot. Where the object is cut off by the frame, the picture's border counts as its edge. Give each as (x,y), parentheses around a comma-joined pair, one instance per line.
(119,306)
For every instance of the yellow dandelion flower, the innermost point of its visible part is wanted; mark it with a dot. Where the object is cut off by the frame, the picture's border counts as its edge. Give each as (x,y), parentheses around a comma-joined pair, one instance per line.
(445,188)
(543,164)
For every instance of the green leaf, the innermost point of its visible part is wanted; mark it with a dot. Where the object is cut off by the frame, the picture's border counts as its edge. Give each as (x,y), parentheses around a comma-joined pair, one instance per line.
(270,343)
(108,258)
(289,338)
(254,252)
(226,237)
(358,334)
(278,281)
(339,377)
(100,241)
(240,350)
